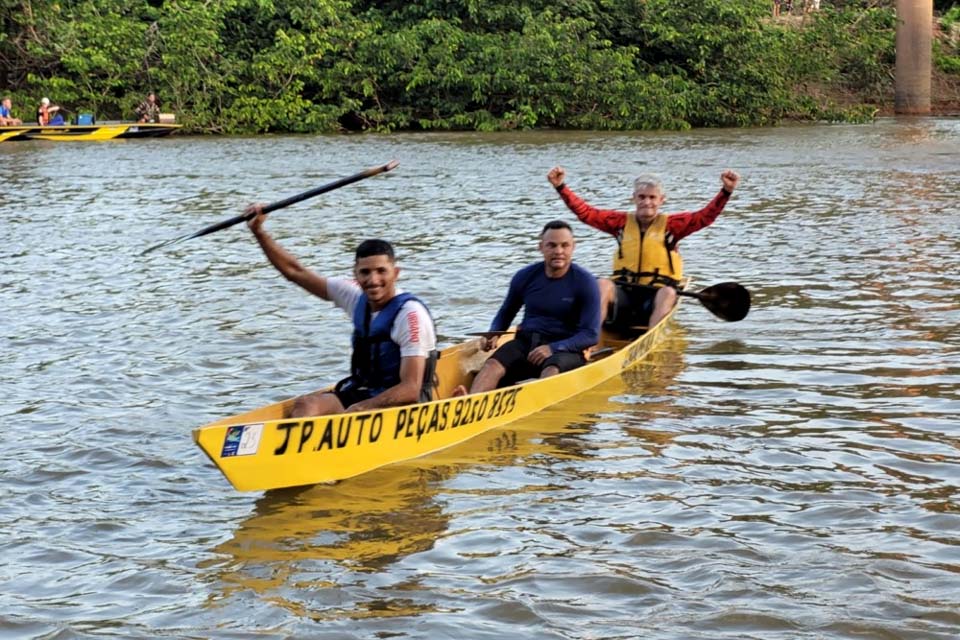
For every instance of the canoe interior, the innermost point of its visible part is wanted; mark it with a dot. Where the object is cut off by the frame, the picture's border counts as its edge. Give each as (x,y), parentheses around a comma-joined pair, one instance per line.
(457,365)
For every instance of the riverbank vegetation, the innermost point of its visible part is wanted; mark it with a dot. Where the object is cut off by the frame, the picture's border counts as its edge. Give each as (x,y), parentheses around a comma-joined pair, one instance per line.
(238,66)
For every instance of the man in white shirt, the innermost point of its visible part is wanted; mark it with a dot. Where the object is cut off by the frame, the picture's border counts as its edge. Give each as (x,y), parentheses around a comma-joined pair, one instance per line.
(394,339)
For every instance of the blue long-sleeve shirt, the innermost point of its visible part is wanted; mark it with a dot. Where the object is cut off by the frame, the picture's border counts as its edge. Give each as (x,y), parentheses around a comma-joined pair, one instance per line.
(565,310)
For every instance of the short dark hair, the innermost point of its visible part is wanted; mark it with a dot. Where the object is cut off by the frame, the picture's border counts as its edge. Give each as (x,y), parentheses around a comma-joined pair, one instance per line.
(375,247)
(555,224)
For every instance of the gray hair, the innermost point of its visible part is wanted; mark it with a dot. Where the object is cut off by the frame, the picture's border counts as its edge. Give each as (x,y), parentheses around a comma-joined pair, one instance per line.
(648,180)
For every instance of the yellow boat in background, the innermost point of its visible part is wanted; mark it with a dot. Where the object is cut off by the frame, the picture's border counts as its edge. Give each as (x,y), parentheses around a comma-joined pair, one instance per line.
(264,449)
(87,132)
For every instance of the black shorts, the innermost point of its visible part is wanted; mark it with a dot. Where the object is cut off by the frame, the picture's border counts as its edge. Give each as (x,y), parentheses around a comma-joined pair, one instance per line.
(631,307)
(513,357)
(348,392)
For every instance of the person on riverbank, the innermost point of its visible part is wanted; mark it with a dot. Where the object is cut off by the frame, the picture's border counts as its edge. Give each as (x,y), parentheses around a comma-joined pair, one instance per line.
(6,114)
(149,109)
(48,114)
(647,256)
(561,318)
(394,338)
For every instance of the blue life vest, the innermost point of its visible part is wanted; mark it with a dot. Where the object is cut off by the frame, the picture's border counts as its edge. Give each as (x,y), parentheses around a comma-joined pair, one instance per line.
(375,363)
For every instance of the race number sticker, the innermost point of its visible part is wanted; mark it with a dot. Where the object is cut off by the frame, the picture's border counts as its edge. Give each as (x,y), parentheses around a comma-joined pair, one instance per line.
(242,440)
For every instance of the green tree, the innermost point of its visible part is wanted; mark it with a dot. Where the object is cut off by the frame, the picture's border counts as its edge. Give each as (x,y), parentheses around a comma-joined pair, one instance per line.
(327,65)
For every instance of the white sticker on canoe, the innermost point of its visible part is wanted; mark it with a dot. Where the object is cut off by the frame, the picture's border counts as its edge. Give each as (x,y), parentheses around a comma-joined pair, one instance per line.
(242,440)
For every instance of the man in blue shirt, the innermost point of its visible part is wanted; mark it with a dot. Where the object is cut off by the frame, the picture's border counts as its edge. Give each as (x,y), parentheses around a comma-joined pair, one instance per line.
(561,317)
(6,115)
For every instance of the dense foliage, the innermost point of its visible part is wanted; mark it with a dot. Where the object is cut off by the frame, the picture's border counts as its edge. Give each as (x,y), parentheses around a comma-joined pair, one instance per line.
(325,65)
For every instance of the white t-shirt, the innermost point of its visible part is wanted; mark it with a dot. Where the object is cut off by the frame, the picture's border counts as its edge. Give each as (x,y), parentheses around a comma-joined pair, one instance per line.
(412,329)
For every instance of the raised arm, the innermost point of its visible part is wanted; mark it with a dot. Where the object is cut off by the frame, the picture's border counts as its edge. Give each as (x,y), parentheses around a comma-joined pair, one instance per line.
(283,260)
(683,224)
(557,176)
(730,180)
(607,220)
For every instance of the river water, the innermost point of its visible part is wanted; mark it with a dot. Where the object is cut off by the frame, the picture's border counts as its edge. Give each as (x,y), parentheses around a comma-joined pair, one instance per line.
(793,475)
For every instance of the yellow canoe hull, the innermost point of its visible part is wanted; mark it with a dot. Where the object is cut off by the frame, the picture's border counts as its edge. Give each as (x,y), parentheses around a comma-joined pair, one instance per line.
(263,449)
(86,133)
(95,133)
(6,133)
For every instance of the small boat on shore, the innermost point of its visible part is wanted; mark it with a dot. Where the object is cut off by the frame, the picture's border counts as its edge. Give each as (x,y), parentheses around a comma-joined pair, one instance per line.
(264,449)
(87,132)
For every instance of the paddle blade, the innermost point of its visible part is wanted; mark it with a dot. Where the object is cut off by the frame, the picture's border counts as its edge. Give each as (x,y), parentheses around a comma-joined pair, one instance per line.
(727,300)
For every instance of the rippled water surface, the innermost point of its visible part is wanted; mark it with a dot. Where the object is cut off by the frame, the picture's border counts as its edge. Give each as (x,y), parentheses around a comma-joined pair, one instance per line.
(793,475)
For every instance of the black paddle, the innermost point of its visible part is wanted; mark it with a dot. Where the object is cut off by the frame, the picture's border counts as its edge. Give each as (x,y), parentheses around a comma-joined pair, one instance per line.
(728,301)
(280,204)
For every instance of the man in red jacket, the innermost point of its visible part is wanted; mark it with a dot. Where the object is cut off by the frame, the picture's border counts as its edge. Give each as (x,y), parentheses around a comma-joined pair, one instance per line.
(647,255)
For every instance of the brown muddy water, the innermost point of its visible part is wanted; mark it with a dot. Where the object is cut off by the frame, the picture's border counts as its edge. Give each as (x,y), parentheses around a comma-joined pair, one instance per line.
(794,475)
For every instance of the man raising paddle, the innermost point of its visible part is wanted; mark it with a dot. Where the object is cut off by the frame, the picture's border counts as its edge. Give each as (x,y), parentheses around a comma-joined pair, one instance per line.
(647,253)
(394,339)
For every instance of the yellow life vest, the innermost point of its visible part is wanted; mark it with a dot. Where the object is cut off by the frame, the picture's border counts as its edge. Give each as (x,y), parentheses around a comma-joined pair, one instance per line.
(648,257)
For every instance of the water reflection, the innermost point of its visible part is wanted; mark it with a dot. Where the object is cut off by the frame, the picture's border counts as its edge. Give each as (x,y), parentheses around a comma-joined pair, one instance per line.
(363,523)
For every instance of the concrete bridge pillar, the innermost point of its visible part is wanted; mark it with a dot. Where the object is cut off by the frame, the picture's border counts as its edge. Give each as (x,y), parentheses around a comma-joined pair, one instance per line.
(914,42)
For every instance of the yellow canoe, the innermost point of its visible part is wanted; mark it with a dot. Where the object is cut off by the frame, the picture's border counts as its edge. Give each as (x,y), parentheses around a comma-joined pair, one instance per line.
(8,133)
(333,521)
(85,133)
(263,449)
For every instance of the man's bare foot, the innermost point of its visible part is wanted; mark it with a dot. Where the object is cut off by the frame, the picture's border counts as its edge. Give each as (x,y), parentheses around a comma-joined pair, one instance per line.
(458,391)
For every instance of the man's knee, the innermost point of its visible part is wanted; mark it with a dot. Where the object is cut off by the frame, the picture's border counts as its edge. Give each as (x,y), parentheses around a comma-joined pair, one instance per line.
(491,372)
(561,362)
(493,366)
(316,404)
(666,296)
